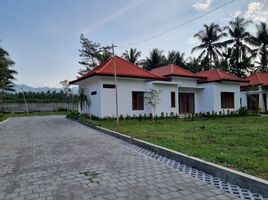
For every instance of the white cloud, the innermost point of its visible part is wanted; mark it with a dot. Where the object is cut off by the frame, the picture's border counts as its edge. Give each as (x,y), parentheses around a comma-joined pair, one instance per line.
(231,16)
(237,13)
(202,5)
(256,12)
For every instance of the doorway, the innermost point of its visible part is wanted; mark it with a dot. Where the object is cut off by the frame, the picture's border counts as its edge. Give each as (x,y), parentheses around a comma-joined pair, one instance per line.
(186,103)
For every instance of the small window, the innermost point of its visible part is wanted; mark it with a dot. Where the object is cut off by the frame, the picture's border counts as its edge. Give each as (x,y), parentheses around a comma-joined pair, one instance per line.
(138,100)
(227,99)
(108,86)
(94,93)
(173,99)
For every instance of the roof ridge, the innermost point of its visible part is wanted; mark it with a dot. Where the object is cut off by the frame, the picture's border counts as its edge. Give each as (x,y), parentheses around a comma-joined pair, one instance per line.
(218,71)
(172,68)
(134,65)
(174,65)
(258,78)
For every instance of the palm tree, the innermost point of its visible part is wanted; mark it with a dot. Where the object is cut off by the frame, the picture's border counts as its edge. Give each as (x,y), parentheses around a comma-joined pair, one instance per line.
(132,55)
(210,42)
(194,64)
(155,59)
(261,42)
(239,39)
(177,58)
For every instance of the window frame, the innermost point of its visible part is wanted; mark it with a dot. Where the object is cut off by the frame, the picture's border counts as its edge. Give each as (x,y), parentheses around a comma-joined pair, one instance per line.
(93,93)
(173,99)
(227,100)
(136,104)
(108,86)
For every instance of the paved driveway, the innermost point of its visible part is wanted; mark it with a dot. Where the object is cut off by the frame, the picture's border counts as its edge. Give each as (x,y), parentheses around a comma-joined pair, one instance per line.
(55,158)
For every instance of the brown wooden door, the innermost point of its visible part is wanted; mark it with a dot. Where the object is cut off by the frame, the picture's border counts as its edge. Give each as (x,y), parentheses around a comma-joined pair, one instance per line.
(186,102)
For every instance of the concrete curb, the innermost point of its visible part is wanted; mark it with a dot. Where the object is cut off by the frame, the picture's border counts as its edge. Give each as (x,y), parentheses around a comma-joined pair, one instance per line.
(241,179)
(2,122)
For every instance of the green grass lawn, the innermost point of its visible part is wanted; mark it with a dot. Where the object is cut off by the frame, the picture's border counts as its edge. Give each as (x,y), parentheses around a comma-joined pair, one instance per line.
(2,117)
(240,142)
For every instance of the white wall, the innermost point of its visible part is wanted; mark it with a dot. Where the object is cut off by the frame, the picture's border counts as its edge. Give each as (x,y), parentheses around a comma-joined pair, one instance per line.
(125,88)
(165,98)
(185,82)
(211,98)
(207,95)
(90,85)
(243,96)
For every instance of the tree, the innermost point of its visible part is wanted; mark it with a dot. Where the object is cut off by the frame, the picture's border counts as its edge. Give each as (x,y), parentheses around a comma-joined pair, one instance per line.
(210,43)
(83,100)
(153,98)
(155,59)
(239,39)
(261,42)
(193,64)
(91,54)
(132,55)
(7,75)
(67,90)
(177,58)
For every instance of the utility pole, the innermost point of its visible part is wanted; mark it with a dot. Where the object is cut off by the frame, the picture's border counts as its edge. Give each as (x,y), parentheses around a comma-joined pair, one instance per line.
(25,102)
(115,83)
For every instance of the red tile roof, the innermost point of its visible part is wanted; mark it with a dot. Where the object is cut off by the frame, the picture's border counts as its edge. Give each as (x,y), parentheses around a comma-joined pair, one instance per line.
(214,75)
(174,70)
(257,78)
(123,69)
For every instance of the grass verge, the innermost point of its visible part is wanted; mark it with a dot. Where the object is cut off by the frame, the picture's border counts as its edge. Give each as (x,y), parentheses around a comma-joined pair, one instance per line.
(239,143)
(2,117)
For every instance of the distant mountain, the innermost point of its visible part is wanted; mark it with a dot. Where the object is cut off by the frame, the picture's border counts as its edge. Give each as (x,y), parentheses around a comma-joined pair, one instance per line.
(26,88)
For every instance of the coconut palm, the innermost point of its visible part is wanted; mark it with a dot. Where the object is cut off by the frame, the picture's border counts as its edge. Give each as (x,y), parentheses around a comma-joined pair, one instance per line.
(261,42)
(194,64)
(240,39)
(177,58)
(132,55)
(210,42)
(155,59)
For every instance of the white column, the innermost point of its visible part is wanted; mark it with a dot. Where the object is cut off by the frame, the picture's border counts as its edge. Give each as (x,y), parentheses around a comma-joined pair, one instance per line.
(261,100)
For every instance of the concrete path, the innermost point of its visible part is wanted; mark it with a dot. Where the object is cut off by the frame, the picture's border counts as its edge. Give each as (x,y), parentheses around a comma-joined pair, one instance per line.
(55,158)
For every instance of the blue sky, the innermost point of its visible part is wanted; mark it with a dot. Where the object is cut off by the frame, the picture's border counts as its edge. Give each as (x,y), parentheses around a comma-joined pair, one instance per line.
(42,37)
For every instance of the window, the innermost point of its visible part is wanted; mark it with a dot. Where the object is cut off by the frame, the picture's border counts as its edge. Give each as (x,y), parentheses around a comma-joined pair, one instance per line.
(94,93)
(227,100)
(173,99)
(137,100)
(108,86)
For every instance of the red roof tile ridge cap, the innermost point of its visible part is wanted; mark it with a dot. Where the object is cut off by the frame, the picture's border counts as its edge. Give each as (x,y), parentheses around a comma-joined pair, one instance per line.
(172,68)
(258,78)
(219,73)
(140,68)
(183,69)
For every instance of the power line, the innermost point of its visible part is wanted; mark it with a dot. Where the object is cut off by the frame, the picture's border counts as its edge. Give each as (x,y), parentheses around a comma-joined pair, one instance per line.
(178,26)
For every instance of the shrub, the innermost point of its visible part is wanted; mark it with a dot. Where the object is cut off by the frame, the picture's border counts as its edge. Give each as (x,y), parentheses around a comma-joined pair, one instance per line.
(243,111)
(121,117)
(85,115)
(74,114)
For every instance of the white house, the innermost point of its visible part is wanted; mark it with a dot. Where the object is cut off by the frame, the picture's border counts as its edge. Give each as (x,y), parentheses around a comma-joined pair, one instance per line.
(182,91)
(254,94)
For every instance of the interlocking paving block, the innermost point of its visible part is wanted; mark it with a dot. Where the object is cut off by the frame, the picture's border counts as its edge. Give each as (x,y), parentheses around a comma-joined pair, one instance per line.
(55,158)
(207,178)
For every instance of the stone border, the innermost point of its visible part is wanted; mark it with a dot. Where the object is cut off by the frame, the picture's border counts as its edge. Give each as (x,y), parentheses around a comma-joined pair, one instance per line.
(235,177)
